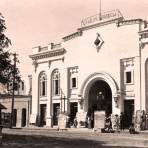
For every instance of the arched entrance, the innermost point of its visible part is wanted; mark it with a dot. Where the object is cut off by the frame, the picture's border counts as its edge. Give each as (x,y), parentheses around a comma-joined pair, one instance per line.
(104,84)
(100,97)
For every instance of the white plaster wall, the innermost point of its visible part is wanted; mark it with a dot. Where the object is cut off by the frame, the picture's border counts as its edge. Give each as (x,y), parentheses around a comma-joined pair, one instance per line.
(119,42)
(144,57)
(81,51)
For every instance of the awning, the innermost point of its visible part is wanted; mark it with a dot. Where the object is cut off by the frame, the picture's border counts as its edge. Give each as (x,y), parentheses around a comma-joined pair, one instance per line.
(2,106)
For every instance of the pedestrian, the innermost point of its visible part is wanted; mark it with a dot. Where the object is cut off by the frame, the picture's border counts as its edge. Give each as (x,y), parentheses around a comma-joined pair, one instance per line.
(89,122)
(122,121)
(132,129)
(116,126)
(75,122)
(142,124)
(108,124)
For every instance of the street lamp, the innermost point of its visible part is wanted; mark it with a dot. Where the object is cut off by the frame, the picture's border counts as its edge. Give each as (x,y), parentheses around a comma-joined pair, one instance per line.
(64,98)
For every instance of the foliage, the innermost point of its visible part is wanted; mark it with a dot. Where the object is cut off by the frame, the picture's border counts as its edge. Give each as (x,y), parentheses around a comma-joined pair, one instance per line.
(6,58)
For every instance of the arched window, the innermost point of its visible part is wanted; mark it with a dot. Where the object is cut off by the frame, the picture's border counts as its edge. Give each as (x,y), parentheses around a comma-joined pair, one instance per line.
(56,83)
(43,84)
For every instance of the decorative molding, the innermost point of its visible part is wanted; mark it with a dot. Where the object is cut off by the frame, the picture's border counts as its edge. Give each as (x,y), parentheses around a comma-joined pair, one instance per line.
(48,54)
(98,42)
(142,45)
(73,70)
(129,22)
(35,63)
(98,76)
(72,36)
(49,64)
(50,61)
(143,42)
(128,62)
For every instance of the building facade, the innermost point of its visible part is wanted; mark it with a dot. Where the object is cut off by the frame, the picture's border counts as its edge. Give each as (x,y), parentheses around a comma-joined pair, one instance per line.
(22,103)
(21,111)
(102,66)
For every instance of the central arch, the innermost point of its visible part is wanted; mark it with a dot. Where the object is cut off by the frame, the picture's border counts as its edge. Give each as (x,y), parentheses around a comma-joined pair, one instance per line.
(100,97)
(103,83)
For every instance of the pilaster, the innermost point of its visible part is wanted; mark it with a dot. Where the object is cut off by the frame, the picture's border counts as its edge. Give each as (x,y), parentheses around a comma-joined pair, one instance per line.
(49,101)
(35,102)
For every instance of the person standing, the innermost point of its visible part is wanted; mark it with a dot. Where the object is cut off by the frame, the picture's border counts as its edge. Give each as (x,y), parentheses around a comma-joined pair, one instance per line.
(122,121)
(116,126)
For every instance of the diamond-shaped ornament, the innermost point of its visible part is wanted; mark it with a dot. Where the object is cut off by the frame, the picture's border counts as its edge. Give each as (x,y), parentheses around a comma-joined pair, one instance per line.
(98,42)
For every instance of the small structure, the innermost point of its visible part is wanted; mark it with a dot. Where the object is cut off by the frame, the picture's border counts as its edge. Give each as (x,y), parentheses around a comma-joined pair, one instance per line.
(99,120)
(62,121)
(21,110)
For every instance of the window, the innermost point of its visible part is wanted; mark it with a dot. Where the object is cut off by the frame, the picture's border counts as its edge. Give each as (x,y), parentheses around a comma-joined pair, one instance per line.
(73,77)
(74,83)
(128,77)
(56,87)
(22,85)
(43,84)
(56,83)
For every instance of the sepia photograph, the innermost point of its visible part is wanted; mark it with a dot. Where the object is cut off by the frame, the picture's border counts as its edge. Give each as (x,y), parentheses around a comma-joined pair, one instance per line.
(73,74)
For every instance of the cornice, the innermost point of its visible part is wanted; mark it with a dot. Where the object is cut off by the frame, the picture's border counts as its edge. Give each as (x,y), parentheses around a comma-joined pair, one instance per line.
(47,54)
(80,30)
(73,35)
(119,21)
(129,22)
(143,32)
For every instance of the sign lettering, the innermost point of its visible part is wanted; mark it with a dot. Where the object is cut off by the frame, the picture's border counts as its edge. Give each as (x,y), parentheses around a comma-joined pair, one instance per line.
(101,18)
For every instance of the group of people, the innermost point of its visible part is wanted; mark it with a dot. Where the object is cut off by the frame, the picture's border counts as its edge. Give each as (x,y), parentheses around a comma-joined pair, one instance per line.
(113,123)
(116,123)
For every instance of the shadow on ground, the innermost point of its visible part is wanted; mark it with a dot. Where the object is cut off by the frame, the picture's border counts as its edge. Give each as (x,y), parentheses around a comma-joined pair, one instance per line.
(35,141)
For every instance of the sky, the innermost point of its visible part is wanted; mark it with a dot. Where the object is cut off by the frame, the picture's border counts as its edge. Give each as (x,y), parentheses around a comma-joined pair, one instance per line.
(31,23)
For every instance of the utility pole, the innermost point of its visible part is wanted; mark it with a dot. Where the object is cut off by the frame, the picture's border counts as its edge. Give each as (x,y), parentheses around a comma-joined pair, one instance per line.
(13,89)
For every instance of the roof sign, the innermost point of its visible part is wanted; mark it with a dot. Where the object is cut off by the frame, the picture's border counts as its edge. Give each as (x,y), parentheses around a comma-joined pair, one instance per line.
(106,16)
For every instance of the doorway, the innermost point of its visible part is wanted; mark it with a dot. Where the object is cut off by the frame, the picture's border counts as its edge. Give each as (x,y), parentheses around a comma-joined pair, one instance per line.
(14,117)
(23,117)
(56,112)
(42,114)
(100,97)
(73,111)
(128,111)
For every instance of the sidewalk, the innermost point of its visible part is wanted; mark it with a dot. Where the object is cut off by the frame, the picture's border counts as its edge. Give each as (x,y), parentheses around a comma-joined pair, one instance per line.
(55,129)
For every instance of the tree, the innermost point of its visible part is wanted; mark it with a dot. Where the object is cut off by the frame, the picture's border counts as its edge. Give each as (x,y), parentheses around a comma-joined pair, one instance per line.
(6,61)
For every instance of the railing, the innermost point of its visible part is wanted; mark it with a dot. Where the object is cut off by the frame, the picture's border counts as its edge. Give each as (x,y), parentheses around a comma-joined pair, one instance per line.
(56,46)
(43,48)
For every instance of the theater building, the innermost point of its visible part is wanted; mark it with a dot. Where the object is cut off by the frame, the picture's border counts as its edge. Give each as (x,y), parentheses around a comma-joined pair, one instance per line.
(101,66)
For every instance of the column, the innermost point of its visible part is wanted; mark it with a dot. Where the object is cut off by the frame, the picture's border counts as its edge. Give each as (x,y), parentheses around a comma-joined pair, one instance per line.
(35,101)
(49,101)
